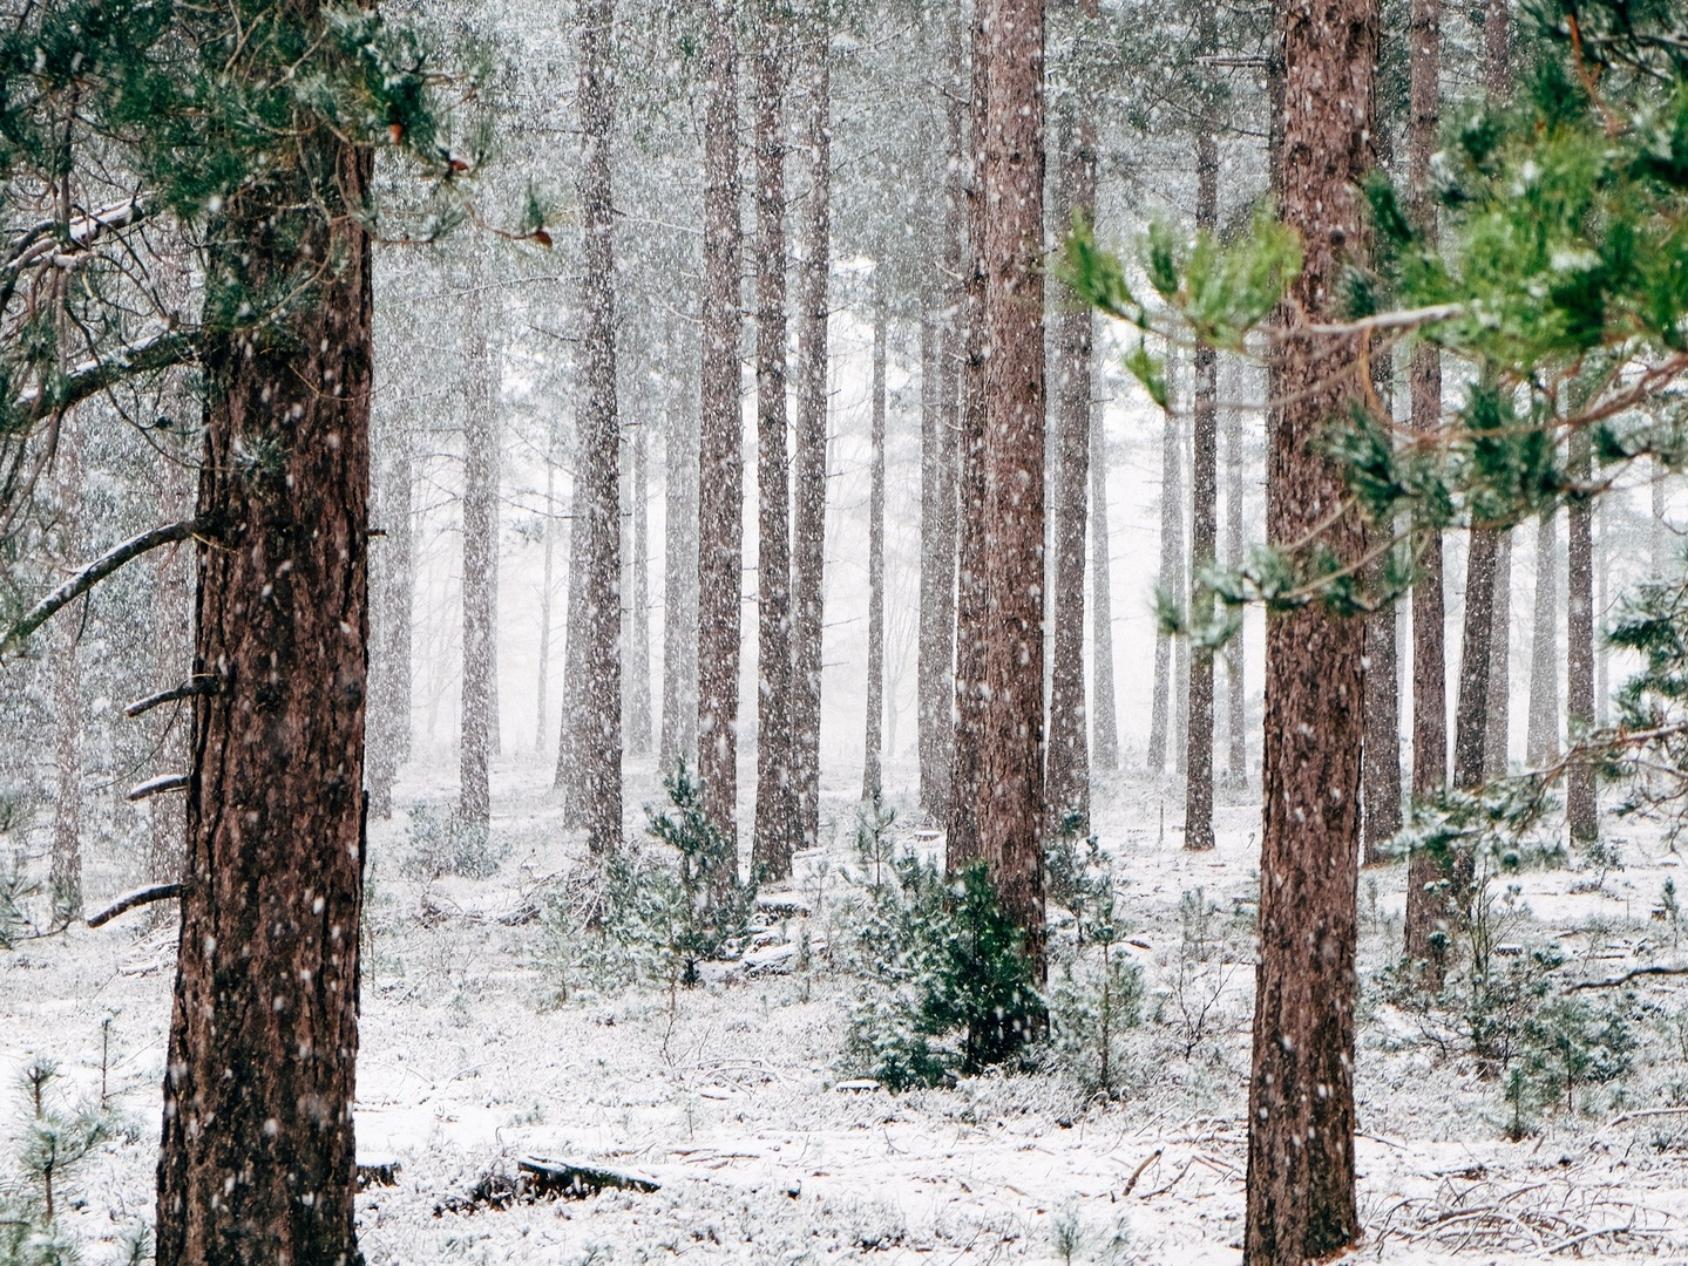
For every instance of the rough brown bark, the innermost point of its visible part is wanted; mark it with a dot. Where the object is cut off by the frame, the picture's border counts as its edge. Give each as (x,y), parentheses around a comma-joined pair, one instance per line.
(809,505)
(1010,805)
(1204,490)
(777,823)
(1541,737)
(1581,812)
(1426,906)
(1301,1203)
(871,773)
(596,535)
(720,462)
(1068,789)
(264,1027)
(962,841)
(479,700)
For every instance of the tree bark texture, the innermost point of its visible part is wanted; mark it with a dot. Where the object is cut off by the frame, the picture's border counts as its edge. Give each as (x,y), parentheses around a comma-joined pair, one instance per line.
(1500,664)
(1541,738)
(1581,812)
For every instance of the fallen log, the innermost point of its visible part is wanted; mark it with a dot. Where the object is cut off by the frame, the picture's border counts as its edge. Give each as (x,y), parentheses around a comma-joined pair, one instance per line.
(552,1176)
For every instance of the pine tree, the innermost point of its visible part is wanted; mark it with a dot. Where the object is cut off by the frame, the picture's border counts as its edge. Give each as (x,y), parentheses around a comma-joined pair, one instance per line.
(872,775)
(1104,745)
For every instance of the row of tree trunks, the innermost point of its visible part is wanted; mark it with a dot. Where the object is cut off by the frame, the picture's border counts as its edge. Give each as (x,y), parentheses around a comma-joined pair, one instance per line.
(777,820)
(1300,1189)
(720,461)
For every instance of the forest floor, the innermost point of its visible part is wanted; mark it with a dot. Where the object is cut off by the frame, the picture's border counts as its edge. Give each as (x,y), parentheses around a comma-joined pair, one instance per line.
(729,1095)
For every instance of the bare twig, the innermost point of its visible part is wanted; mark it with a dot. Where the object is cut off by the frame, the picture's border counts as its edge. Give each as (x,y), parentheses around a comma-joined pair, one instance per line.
(199,684)
(140,897)
(158,786)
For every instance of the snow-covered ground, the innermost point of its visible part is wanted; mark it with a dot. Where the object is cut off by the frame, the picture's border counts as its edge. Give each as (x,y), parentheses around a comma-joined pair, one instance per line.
(731,1101)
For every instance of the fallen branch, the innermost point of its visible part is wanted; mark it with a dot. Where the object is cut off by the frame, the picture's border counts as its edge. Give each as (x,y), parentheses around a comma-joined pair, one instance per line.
(158,786)
(200,684)
(1656,969)
(1137,1173)
(91,575)
(1646,1113)
(140,897)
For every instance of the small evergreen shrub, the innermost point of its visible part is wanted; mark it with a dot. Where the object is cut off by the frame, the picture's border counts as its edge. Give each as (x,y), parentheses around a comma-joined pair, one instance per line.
(1571,1043)
(948,990)
(1075,873)
(874,848)
(441,844)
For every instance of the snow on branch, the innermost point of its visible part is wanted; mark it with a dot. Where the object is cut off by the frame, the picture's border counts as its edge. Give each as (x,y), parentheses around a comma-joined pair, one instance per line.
(91,575)
(159,350)
(201,684)
(158,786)
(139,897)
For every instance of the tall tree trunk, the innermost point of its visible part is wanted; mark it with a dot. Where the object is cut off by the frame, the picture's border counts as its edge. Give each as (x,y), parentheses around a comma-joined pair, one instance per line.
(963,843)
(1068,789)
(876,563)
(1500,664)
(1602,604)
(1171,582)
(1204,489)
(480,565)
(1010,747)
(570,776)
(1105,735)
(679,564)
(720,460)
(542,687)
(1426,899)
(1301,1203)
(64,879)
(1541,739)
(261,1065)
(1581,812)
(639,598)
(777,819)
(1236,694)
(931,671)
(595,544)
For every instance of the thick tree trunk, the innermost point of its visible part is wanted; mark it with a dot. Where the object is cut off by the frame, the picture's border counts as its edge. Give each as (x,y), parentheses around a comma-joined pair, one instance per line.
(1068,789)
(872,757)
(679,562)
(1010,807)
(1103,709)
(777,819)
(1581,812)
(963,842)
(595,545)
(1301,1203)
(720,460)
(1541,738)
(1426,902)
(1500,664)
(479,700)
(257,1161)
(1204,489)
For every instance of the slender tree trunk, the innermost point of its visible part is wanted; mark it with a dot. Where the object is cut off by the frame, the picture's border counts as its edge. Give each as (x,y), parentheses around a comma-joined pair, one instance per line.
(1105,735)
(809,510)
(1301,1202)
(546,584)
(1171,582)
(595,540)
(1602,605)
(876,564)
(261,1065)
(1471,714)
(720,461)
(1426,898)
(480,565)
(777,819)
(1541,741)
(1658,552)
(570,777)
(1068,789)
(64,880)
(963,843)
(680,554)
(1236,695)
(932,672)
(1500,665)
(1581,810)
(172,631)
(639,601)
(1010,747)
(1204,488)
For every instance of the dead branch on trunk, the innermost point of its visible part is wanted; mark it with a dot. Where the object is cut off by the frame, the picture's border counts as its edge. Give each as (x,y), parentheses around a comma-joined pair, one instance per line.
(199,684)
(140,897)
(158,786)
